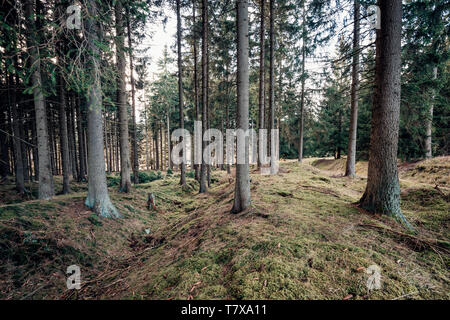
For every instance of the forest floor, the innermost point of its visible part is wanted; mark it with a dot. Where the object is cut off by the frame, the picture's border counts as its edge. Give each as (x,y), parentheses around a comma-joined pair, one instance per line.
(302,238)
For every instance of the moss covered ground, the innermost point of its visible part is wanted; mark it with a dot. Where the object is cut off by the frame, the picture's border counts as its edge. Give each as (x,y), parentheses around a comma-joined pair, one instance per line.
(302,238)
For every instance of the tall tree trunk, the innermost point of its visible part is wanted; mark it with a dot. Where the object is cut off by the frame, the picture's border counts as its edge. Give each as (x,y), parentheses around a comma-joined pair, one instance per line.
(64,137)
(72,144)
(50,139)
(133,103)
(382,193)
(271,75)
(242,186)
(18,164)
(82,150)
(161,146)
(23,135)
(302,97)
(227,109)
(428,145)
(351,153)
(110,144)
(180,90)
(339,137)
(196,102)
(147,149)
(208,111)
(203,169)
(4,146)
(46,189)
(262,59)
(105,139)
(35,148)
(169,159)
(98,197)
(155,139)
(125,181)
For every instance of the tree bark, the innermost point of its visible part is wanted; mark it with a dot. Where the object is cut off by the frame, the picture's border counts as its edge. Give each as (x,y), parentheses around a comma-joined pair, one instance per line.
(125,181)
(82,150)
(18,164)
(98,197)
(351,153)
(169,159)
(302,97)
(72,144)
(429,130)
(161,146)
(242,186)
(262,59)
(133,103)
(106,142)
(155,139)
(180,90)
(382,194)
(4,146)
(203,178)
(46,189)
(271,77)
(64,137)
(196,102)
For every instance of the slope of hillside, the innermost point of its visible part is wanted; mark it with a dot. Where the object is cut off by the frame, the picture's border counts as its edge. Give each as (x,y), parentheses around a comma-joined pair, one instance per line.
(301,239)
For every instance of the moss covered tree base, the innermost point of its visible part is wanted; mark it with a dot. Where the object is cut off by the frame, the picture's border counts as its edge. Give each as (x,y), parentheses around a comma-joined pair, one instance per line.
(103,207)
(385,201)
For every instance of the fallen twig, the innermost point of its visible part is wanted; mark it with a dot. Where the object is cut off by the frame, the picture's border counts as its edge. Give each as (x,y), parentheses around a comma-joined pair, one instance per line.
(432,244)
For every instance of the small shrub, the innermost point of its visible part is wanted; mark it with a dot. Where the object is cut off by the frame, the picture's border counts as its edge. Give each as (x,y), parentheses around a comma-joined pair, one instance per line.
(190,174)
(112,181)
(145,177)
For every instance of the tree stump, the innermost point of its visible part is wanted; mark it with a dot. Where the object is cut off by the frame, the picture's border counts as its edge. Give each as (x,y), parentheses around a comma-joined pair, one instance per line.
(151,202)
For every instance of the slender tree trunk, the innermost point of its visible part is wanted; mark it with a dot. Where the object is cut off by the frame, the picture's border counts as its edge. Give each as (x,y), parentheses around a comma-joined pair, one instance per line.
(4,146)
(98,197)
(64,137)
(382,193)
(227,110)
(208,111)
(271,75)
(351,154)
(262,59)
(82,151)
(46,189)
(155,139)
(196,102)
(23,135)
(222,129)
(242,186)
(50,138)
(19,169)
(35,148)
(133,103)
(161,146)
(339,137)
(147,149)
(428,145)
(72,144)
(110,144)
(105,139)
(302,97)
(203,169)
(180,90)
(125,181)
(169,158)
